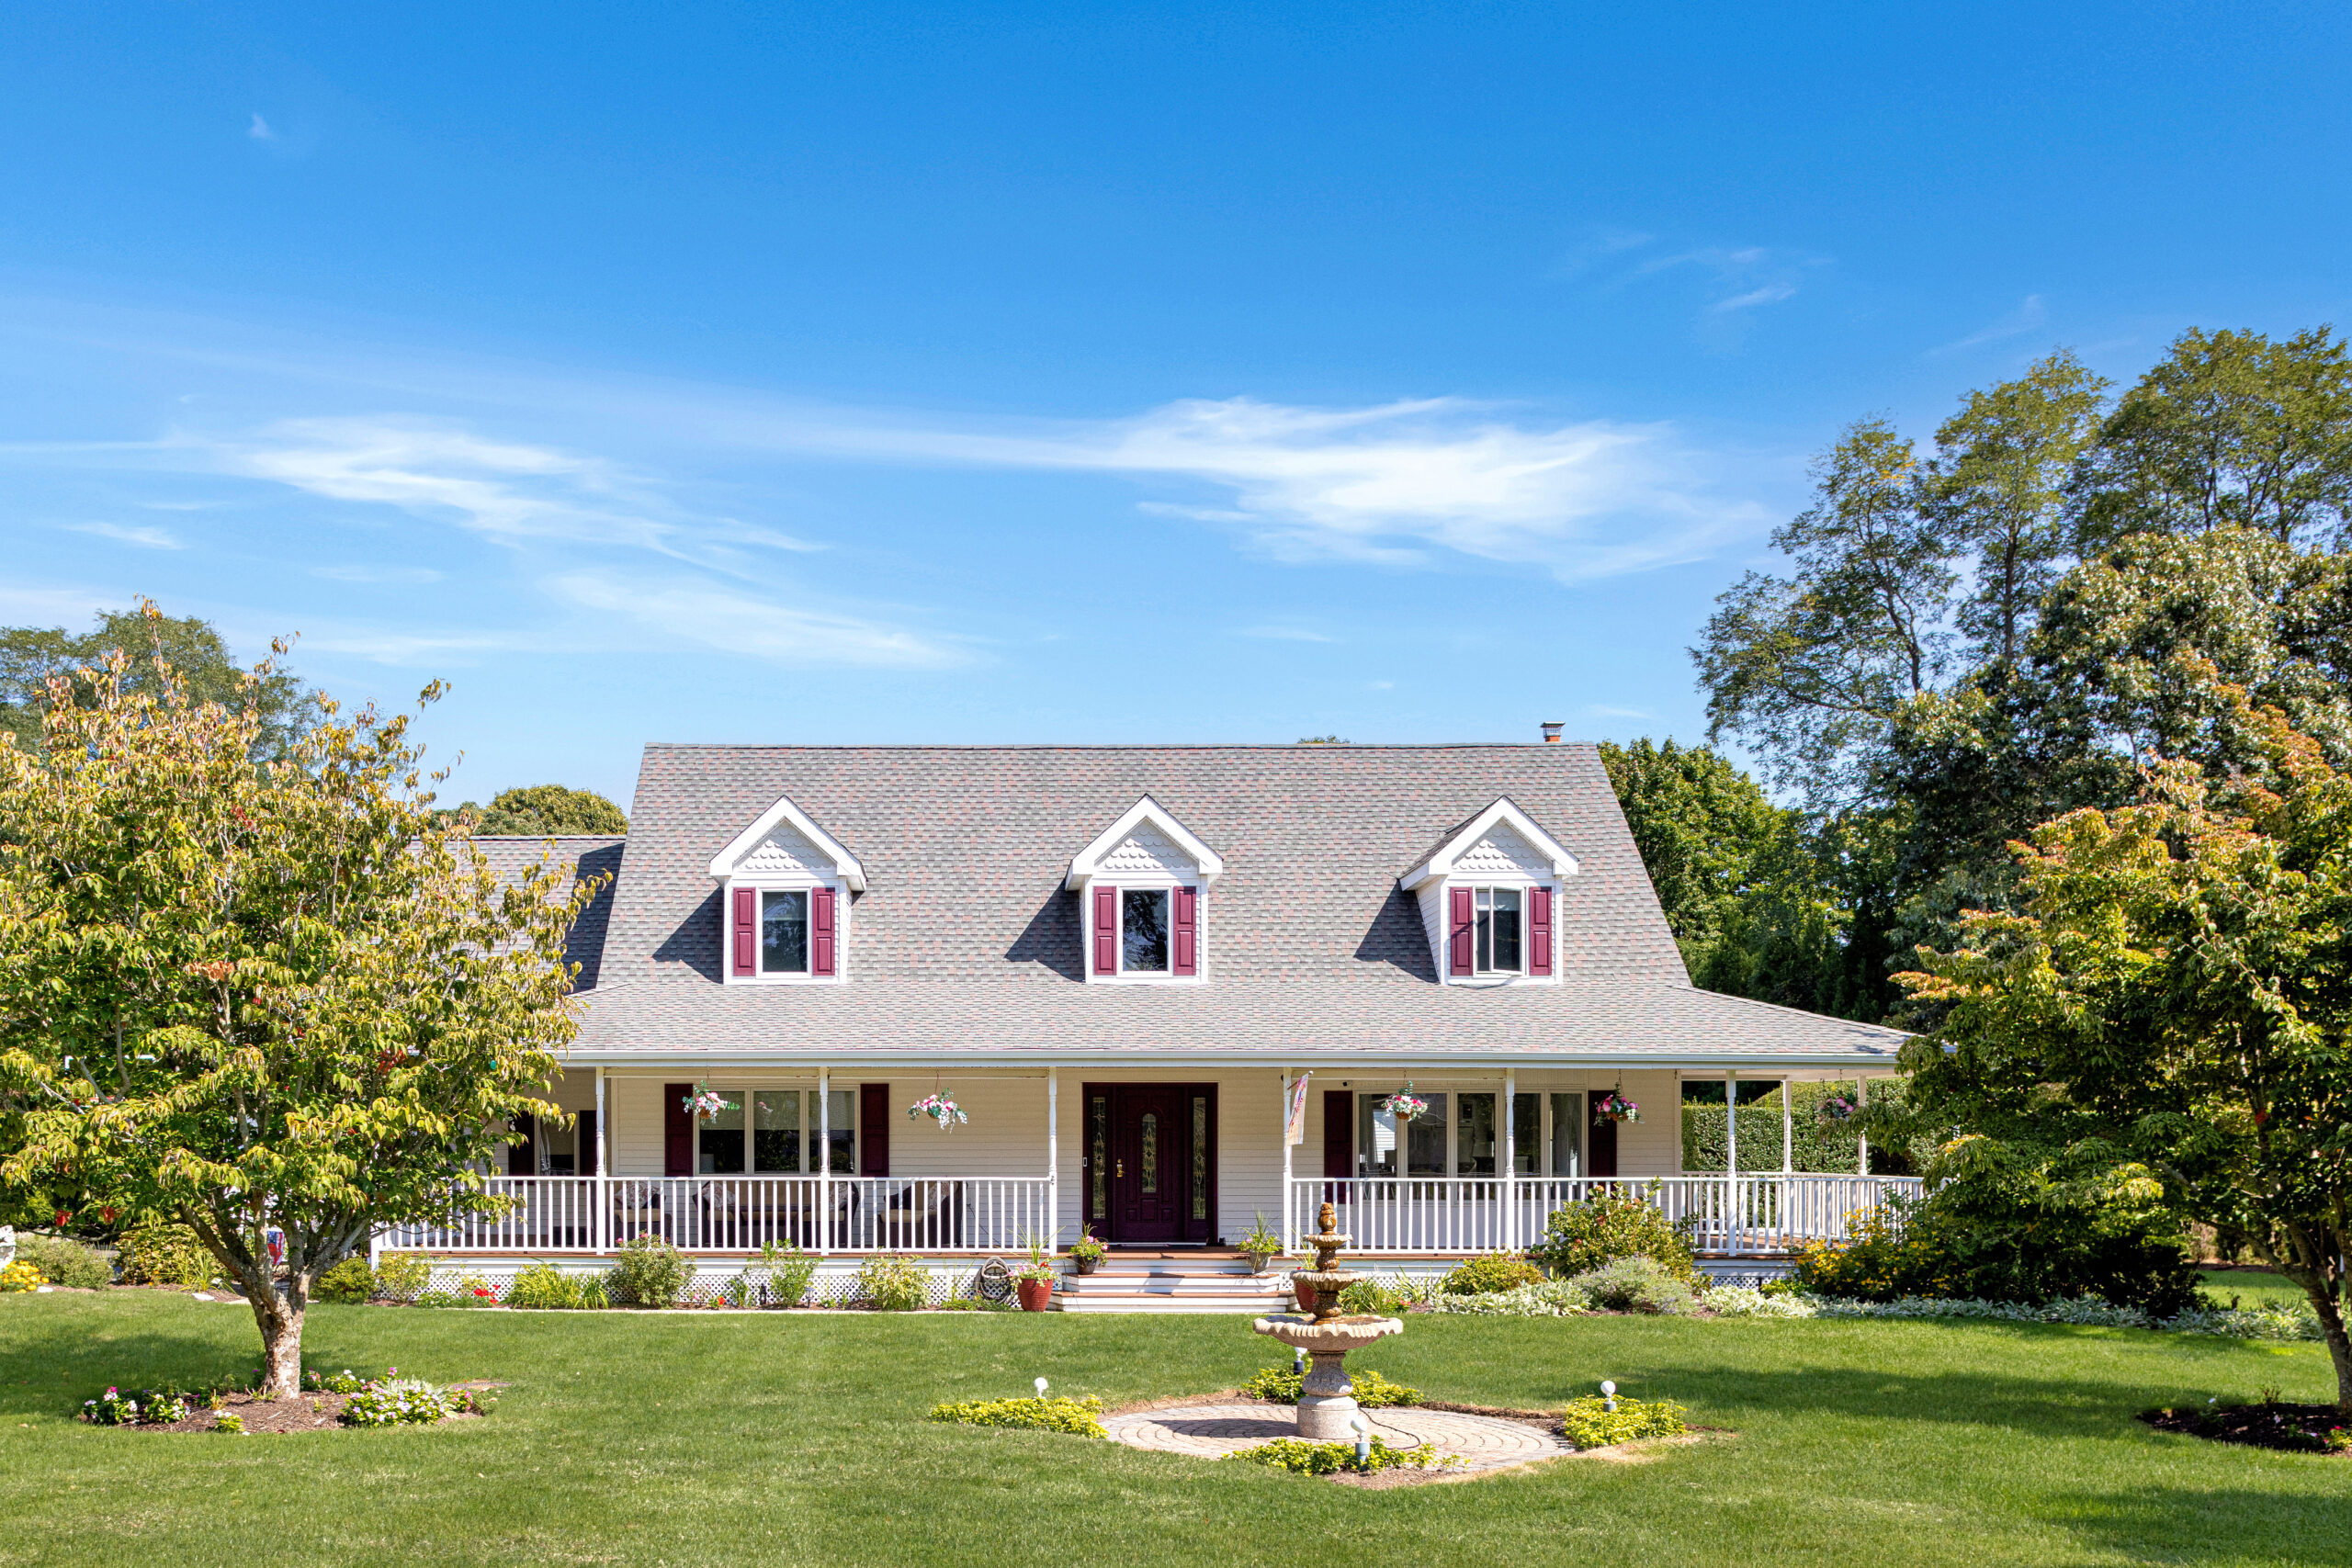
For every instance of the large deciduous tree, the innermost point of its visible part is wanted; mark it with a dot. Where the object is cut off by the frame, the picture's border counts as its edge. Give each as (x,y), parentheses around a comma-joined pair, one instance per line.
(2168,1017)
(270,999)
(33,657)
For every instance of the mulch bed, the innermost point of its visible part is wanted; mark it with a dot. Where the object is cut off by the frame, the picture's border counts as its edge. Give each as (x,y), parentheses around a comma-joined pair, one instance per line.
(316,1411)
(2300,1428)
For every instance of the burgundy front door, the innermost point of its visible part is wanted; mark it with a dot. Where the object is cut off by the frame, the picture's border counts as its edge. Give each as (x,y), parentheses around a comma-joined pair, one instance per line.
(1147,1141)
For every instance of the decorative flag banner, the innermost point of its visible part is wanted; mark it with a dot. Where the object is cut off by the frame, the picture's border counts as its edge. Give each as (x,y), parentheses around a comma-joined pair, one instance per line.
(1295,1128)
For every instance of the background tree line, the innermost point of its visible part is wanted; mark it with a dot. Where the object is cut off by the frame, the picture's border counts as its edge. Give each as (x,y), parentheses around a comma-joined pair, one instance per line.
(1973,639)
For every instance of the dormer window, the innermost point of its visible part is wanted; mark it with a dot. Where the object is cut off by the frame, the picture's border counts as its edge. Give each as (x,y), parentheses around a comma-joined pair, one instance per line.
(1140,887)
(1495,931)
(785,890)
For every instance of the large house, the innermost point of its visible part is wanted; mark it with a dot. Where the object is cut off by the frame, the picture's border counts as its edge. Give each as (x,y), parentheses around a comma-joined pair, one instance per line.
(1171,991)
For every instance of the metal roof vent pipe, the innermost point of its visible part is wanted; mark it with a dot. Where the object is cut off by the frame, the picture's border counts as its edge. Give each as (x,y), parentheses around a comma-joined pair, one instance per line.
(1552,732)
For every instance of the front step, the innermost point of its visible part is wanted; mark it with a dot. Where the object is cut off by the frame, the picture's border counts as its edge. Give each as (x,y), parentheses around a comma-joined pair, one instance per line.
(1175,1284)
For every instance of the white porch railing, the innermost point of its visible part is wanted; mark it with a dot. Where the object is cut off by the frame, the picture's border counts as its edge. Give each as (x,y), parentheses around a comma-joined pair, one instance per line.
(741,1213)
(1768,1212)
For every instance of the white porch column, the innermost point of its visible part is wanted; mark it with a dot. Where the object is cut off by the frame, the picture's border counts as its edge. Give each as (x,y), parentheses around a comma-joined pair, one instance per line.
(1290,1231)
(604,1141)
(1788,1132)
(1861,1139)
(1731,1159)
(824,1161)
(1054,1155)
(1510,1162)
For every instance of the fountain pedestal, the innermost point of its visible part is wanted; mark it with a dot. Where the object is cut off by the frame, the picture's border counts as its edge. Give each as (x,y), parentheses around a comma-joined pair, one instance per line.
(1326,1399)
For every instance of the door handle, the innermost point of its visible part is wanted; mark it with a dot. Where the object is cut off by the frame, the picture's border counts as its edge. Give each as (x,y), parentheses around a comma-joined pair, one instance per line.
(1119,1172)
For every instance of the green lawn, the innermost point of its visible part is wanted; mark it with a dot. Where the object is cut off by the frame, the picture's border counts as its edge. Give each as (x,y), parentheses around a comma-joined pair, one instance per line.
(798,1438)
(2253,1287)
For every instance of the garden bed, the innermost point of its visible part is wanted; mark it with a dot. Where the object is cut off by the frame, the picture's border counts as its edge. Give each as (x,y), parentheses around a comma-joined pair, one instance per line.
(2300,1428)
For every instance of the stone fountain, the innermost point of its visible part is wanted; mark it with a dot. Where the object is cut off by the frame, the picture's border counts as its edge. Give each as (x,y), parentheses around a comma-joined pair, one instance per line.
(1326,1399)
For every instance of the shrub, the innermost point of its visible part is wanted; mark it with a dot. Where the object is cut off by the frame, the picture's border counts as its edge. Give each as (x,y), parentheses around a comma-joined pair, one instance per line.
(1591,1424)
(1745,1300)
(64,1262)
(21,1276)
(349,1280)
(544,1286)
(403,1276)
(402,1402)
(1369,1298)
(229,1421)
(1489,1272)
(344,1382)
(147,1407)
(1636,1284)
(1302,1458)
(472,1291)
(1281,1386)
(1082,1418)
(888,1283)
(1580,1237)
(650,1273)
(1553,1298)
(167,1255)
(786,1273)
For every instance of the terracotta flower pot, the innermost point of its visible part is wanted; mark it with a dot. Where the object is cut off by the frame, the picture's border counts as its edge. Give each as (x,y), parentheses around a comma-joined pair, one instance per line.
(1305,1294)
(1036,1295)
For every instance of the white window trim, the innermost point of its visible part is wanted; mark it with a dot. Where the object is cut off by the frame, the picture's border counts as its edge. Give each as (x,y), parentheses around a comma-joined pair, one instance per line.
(1149,882)
(783,884)
(1491,980)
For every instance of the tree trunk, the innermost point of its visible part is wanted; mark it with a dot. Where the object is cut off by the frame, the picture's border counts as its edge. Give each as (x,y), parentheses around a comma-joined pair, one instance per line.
(279,1318)
(2339,1345)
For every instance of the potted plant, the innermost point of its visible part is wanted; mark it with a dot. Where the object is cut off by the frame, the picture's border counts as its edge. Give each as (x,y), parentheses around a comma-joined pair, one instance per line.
(1034,1281)
(1087,1251)
(1262,1246)
(1615,1107)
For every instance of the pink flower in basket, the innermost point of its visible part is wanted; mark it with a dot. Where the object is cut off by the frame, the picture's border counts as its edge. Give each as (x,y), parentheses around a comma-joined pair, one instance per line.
(940,1109)
(706,1103)
(1614,1107)
(1404,1104)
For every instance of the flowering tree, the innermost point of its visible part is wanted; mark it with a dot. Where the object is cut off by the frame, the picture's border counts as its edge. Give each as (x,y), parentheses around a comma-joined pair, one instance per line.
(2168,1023)
(269,998)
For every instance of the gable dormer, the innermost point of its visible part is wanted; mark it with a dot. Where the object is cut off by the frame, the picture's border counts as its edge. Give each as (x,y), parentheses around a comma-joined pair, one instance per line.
(1489,897)
(1140,887)
(784,892)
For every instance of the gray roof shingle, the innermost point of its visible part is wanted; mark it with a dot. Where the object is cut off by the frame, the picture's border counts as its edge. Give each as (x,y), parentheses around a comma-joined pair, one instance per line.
(966,942)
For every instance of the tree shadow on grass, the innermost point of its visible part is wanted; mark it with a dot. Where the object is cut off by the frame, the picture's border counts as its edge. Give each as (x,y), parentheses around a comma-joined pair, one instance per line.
(2203,1525)
(55,1376)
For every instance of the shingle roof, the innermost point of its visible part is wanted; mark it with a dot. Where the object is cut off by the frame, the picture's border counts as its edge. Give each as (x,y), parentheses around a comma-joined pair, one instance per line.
(966,942)
(587,855)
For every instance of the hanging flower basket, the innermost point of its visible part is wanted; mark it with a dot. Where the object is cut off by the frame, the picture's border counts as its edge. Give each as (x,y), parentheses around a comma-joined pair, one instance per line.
(705,1102)
(940,1108)
(1404,1105)
(1615,1107)
(1840,1107)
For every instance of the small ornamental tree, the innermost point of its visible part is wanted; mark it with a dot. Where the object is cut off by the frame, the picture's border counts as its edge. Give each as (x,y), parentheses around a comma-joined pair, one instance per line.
(2168,1020)
(270,999)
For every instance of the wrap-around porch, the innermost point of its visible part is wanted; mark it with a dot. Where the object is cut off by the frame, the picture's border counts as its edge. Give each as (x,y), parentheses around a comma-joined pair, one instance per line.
(835,1166)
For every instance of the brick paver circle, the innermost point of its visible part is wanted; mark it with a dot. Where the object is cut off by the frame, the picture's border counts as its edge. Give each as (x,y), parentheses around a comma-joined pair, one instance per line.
(1213,1430)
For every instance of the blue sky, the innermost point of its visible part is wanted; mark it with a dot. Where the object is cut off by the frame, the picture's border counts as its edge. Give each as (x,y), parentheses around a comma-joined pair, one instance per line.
(1065,372)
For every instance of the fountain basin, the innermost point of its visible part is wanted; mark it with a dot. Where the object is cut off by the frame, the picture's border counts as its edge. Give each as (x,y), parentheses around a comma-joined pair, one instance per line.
(1326,1399)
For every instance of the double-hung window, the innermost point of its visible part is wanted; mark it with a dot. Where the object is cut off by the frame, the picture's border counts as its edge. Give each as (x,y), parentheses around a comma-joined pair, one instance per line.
(1457,1135)
(775,1131)
(1496,937)
(1143,931)
(784,933)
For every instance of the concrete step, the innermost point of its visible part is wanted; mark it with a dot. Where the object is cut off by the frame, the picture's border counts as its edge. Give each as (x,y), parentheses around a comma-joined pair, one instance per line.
(1237,1305)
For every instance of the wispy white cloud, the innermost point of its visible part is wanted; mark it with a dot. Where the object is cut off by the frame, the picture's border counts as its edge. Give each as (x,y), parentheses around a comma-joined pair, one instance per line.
(1284,634)
(259,129)
(1394,483)
(697,614)
(143,537)
(1602,710)
(1771,294)
(2027,317)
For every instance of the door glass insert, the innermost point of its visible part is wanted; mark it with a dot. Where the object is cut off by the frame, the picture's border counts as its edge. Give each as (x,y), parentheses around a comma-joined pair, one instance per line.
(1148,1152)
(1098,1145)
(1425,1139)
(841,1132)
(775,1131)
(1200,1157)
(1527,1135)
(720,1139)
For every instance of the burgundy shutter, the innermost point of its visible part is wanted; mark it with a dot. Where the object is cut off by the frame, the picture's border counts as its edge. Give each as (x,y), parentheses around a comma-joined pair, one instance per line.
(1106,931)
(677,1131)
(820,931)
(1188,937)
(587,1159)
(1339,1138)
(519,1152)
(1458,936)
(747,930)
(1539,930)
(874,1127)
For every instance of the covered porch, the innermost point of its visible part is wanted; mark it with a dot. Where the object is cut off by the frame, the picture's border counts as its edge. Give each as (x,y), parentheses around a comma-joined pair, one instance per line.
(1173,1157)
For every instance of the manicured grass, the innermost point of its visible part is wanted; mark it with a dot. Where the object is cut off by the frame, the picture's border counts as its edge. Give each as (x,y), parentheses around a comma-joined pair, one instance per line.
(2253,1287)
(798,1438)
